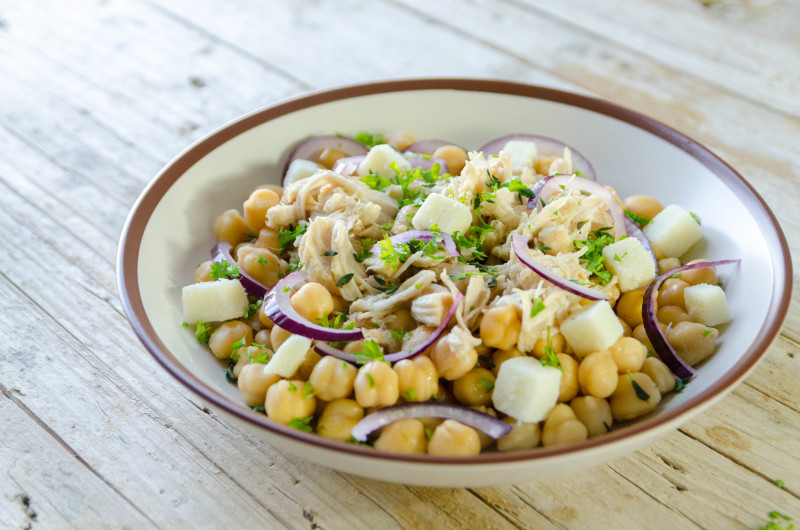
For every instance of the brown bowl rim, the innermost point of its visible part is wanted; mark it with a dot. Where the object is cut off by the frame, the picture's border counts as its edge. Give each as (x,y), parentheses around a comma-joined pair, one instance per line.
(132,233)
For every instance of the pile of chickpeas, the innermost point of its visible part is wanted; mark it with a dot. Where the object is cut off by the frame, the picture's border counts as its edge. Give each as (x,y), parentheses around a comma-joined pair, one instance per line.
(596,389)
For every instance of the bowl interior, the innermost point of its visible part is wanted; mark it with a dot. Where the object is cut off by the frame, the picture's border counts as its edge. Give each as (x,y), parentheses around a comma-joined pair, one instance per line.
(632,154)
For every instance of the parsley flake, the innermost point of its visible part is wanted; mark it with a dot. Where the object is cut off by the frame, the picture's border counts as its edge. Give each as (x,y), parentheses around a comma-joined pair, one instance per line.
(344,280)
(371,352)
(486,384)
(202,332)
(308,390)
(640,392)
(302,424)
(287,236)
(550,357)
(221,270)
(330,253)
(640,220)
(410,394)
(370,380)
(369,139)
(538,307)
(292,387)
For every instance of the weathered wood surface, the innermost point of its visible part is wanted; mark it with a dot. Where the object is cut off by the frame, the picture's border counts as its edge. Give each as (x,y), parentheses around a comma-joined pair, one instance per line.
(98,95)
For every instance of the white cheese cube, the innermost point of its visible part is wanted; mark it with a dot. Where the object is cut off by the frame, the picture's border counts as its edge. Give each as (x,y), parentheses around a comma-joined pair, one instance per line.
(379,160)
(214,301)
(299,169)
(593,328)
(707,304)
(631,262)
(526,390)
(522,153)
(673,230)
(290,355)
(449,214)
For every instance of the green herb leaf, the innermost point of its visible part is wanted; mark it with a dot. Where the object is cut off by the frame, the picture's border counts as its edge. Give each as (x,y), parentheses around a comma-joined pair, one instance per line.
(410,394)
(486,384)
(636,218)
(202,332)
(592,260)
(287,236)
(371,352)
(640,392)
(252,309)
(680,384)
(696,218)
(370,380)
(369,139)
(619,258)
(428,433)
(229,375)
(330,253)
(259,409)
(550,357)
(398,334)
(538,307)
(221,270)
(302,424)
(292,387)
(344,280)
(262,260)
(308,390)
(236,346)
(366,246)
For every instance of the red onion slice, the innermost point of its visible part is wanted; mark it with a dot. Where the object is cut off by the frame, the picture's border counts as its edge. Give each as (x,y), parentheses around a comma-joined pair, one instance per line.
(348,165)
(634,231)
(327,349)
(222,251)
(545,146)
(537,191)
(554,185)
(427,163)
(310,149)
(520,247)
(471,417)
(278,307)
(450,246)
(657,338)
(426,147)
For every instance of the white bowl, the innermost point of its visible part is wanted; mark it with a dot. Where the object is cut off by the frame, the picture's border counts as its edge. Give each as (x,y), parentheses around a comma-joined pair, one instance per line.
(169,231)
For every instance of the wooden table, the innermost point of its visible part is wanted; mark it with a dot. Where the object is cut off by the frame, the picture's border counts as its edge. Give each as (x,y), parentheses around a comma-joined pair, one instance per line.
(95,96)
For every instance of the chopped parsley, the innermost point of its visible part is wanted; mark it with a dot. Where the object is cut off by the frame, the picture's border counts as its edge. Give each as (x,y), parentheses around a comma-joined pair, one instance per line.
(369,139)
(336,322)
(262,260)
(410,394)
(779,483)
(370,380)
(486,384)
(695,217)
(386,286)
(287,236)
(776,522)
(292,387)
(387,226)
(593,260)
(308,390)
(376,182)
(428,433)
(636,218)
(202,332)
(366,246)
(706,333)
(239,344)
(371,352)
(344,280)
(253,307)
(259,409)
(399,335)
(221,270)
(680,384)
(538,307)
(619,258)
(640,392)
(250,236)
(330,253)
(302,424)
(486,361)
(262,357)
(550,357)
(293,267)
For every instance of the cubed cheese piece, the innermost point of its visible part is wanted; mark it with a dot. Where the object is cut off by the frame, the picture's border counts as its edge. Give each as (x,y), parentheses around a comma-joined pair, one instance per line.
(673,230)
(214,301)
(707,304)
(289,357)
(522,153)
(593,328)
(300,169)
(526,390)
(632,264)
(449,214)
(379,160)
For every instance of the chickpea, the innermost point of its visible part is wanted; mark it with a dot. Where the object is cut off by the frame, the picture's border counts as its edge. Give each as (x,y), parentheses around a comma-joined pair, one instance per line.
(672,314)
(521,436)
(268,239)
(417,378)
(264,319)
(262,337)
(259,263)
(628,354)
(203,272)
(628,401)
(308,364)
(484,438)
(401,319)
(569,377)
(697,276)
(557,342)
(312,301)
(667,264)
(222,338)
(287,400)
(692,341)
(340,305)
(452,438)
(597,374)
(656,370)
(671,293)
(643,205)
(500,326)
(629,307)
(256,206)
(451,358)
(416,337)
(403,436)
(562,427)
(230,226)
(400,140)
(430,424)
(556,238)
(278,336)
(376,385)
(328,156)
(332,378)
(626,329)
(254,383)
(475,387)
(454,156)
(339,418)
(273,187)
(243,355)
(501,356)
(594,413)
(640,334)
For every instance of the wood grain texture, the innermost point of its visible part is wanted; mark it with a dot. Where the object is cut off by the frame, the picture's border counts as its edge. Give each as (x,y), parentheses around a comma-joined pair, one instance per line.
(98,95)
